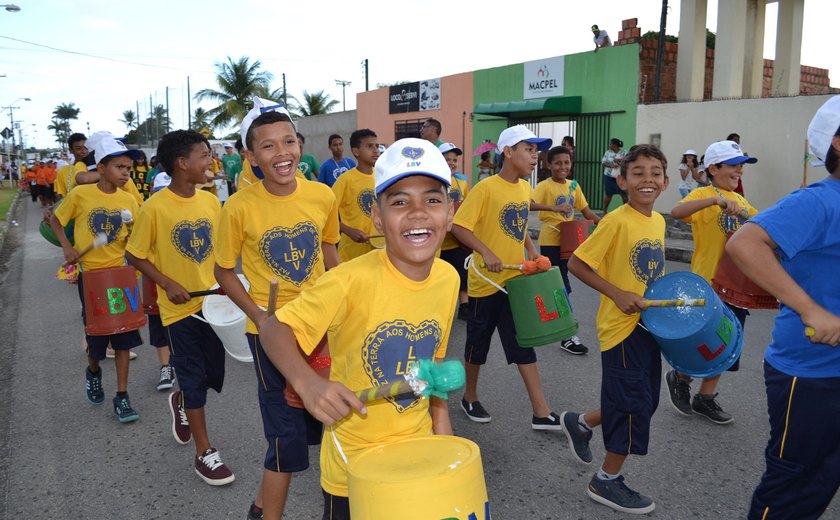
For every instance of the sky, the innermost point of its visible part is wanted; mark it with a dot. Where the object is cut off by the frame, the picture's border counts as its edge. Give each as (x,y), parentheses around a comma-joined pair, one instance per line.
(108,56)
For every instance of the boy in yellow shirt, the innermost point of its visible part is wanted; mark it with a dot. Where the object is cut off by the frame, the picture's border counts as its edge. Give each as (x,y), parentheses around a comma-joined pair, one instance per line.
(557,199)
(620,259)
(493,222)
(382,312)
(284,228)
(178,228)
(354,193)
(65,180)
(97,208)
(451,250)
(714,212)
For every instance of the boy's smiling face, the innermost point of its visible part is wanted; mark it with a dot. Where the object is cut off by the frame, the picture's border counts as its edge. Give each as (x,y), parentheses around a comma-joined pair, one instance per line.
(196,163)
(277,153)
(561,165)
(726,176)
(414,215)
(644,182)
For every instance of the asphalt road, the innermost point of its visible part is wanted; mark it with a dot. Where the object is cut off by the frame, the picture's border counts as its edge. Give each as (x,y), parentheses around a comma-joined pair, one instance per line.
(64,458)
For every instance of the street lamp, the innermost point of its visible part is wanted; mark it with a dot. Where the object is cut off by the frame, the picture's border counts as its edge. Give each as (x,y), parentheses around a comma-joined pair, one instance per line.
(343,85)
(12,8)
(11,108)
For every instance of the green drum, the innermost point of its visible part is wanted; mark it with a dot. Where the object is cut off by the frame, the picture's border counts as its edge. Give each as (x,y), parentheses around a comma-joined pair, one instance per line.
(541,310)
(47,232)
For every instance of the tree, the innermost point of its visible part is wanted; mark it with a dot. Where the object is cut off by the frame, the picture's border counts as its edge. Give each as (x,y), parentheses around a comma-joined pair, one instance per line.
(315,103)
(200,119)
(152,129)
(129,119)
(62,115)
(238,82)
(61,129)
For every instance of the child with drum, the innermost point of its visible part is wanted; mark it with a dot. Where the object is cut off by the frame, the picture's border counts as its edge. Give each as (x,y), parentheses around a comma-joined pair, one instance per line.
(493,222)
(354,192)
(96,208)
(282,228)
(177,229)
(801,366)
(714,212)
(620,259)
(384,311)
(557,199)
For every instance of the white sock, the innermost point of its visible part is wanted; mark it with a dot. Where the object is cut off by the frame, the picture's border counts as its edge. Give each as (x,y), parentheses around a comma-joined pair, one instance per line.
(582,423)
(603,475)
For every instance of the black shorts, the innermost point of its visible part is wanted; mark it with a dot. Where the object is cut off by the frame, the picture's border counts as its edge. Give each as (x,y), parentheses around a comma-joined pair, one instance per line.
(97,345)
(198,357)
(741,315)
(553,254)
(456,258)
(157,332)
(485,315)
(631,374)
(611,186)
(335,507)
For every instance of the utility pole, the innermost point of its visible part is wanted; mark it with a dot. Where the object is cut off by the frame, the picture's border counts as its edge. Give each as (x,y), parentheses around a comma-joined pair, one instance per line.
(343,84)
(166,121)
(367,73)
(151,118)
(660,51)
(189,105)
(137,107)
(285,97)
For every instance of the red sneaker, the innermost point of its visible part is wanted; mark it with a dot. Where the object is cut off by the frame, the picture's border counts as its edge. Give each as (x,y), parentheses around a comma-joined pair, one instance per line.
(180,424)
(211,469)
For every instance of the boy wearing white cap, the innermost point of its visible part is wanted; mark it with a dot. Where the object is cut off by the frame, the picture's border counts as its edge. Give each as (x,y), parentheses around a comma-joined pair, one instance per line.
(493,222)
(714,212)
(801,366)
(382,311)
(96,208)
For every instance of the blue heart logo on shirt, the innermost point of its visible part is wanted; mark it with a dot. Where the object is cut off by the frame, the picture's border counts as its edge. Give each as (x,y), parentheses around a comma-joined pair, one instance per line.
(108,221)
(366,198)
(391,350)
(730,223)
(562,199)
(193,239)
(455,195)
(647,260)
(514,220)
(291,252)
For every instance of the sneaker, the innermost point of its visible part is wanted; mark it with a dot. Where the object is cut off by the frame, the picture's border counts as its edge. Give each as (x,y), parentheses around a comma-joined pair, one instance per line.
(552,422)
(574,346)
(211,469)
(167,378)
(122,408)
(109,353)
(93,387)
(180,424)
(615,494)
(254,513)
(710,409)
(578,439)
(679,390)
(475,412)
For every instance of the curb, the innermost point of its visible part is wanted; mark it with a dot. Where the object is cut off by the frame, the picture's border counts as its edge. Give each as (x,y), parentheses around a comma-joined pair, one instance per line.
(4,229)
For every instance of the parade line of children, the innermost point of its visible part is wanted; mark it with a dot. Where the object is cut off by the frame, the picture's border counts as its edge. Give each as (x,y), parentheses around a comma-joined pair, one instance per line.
(342,301)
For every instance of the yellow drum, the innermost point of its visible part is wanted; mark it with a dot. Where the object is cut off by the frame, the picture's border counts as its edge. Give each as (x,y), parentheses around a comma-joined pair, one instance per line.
(428,478)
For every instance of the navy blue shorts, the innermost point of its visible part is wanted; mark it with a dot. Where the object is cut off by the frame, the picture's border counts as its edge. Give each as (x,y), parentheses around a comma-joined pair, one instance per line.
(157,332)
(611,186)
(802,457)
(287,429)
(485,315)
(456,258)
(97,345)
(553,254)
(741,315)
(335,507)
(198,357)
(631,374)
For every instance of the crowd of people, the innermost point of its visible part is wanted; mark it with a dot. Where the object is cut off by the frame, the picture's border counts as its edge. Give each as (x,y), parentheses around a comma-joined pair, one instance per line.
(353,245)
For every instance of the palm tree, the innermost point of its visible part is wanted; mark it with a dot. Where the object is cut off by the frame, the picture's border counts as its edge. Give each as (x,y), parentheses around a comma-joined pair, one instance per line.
(129,119)
(315,103)
(61,129)
(238,82)
(62,114)
(200,119)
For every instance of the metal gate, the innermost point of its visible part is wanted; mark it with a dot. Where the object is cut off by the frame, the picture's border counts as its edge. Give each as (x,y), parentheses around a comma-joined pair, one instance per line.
(592,136)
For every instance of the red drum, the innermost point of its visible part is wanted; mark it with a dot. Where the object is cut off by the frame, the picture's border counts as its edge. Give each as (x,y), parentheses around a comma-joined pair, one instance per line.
(150,305)
(112,301)
(319,361)
(572,234)
(735,288)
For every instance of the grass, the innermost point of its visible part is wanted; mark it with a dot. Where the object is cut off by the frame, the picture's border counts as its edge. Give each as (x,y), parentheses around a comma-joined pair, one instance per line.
(6,198)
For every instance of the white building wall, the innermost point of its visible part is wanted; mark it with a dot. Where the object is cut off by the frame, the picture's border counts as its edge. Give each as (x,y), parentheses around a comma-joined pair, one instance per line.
(771,129)
(317,129)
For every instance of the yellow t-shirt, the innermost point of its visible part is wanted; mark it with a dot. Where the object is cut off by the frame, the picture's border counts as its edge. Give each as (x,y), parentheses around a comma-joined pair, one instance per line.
(497,213)
(355,196)
(132,190)
(97,212)
(180,234)
(81,167)
(64,180)
(458,191)
(378,323)
(278,237)
(710,228)
(551,192)
(628,250)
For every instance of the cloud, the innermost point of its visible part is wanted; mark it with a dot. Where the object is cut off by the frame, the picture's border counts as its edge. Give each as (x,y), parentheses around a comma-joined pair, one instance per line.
(99,23)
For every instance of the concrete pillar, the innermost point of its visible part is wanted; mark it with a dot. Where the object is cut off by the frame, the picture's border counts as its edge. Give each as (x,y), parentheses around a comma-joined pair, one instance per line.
(786,71)
(691,54)
(754,49)
(729,49)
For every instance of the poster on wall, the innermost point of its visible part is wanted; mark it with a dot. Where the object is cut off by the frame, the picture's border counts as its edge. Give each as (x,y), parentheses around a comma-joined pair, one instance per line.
(544,78)
(414,97)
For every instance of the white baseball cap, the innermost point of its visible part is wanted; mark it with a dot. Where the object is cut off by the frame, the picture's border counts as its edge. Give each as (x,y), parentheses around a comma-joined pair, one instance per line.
(104,145)
(261,106)
(162,180)
(516,134)
(450,147)
(690,152)
(406,157)
(823,128)
(228,145)
(727,152)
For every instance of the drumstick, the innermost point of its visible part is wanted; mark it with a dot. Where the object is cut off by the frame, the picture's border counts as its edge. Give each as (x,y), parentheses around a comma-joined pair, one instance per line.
(272,295)
(99,240)
(516,267)
(698,302)
(425,378)
(208,292)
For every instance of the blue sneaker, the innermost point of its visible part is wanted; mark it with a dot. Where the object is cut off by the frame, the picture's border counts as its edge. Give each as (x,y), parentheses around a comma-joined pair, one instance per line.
(123,410)
(578,440)
(93,387)
(615,494)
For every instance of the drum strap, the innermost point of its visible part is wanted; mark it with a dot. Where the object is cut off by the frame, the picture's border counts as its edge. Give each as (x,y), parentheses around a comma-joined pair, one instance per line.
(469,263)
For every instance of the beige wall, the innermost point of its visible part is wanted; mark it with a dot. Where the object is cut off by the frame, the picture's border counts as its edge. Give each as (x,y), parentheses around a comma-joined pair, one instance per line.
(771,129)
(316,130)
